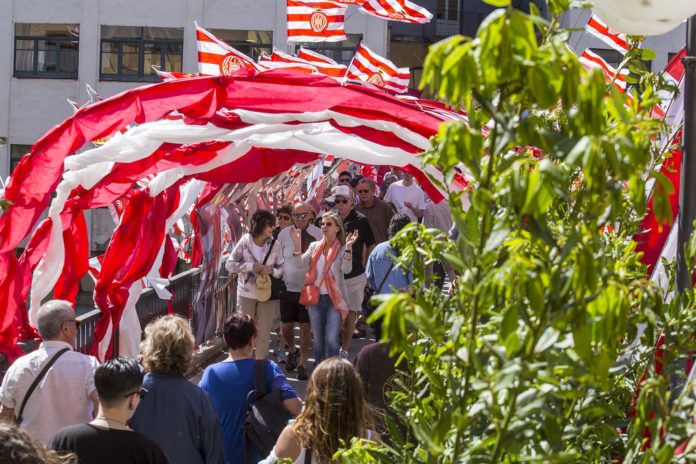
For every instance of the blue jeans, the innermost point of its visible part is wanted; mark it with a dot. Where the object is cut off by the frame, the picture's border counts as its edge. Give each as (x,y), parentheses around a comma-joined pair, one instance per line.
(326,329)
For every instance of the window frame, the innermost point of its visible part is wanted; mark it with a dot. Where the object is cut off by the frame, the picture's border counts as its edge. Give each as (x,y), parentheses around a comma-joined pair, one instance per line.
(142,43)
(35,73)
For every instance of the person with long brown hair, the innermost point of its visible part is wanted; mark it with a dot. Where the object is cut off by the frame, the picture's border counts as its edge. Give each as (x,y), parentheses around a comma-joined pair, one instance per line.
(335,412)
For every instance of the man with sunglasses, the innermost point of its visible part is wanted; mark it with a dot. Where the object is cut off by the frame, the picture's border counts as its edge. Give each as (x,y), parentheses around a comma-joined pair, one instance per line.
(355,280)
(344,178)
(291,311)
(108,439)
(377,211)
(66,394)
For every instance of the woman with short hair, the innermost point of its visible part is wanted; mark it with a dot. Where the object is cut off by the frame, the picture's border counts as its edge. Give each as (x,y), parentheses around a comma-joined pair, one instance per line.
(229,382)
(253,276)
(176,413)
(335,412)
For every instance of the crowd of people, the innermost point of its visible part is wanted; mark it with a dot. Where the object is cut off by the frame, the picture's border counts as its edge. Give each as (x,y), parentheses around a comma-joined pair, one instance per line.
(295,268)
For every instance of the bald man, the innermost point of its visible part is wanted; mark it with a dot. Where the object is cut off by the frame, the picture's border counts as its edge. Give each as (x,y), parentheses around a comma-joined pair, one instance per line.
(291,311)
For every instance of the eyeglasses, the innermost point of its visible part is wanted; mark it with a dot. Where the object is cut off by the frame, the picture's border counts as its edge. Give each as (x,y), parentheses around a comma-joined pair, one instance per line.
(284,217)
(345,180)
(141,393)
(343,202)
(77,322)
(301,215)
(363,191)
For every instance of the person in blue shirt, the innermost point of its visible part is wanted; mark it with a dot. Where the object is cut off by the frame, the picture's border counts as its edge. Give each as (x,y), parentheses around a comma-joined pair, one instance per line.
(229,382)
(381,266)
(176,414)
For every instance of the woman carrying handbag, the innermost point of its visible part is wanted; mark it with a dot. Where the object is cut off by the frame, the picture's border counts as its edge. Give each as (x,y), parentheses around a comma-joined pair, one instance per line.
(324,289)
(255,258)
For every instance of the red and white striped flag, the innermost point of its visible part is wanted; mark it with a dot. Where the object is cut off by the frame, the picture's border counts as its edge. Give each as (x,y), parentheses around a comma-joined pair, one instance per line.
(216,57)
(369,67)
(324,64)
(280,60)
(590,60)
(300,64)
(397,10)
(609,36)
(316,21)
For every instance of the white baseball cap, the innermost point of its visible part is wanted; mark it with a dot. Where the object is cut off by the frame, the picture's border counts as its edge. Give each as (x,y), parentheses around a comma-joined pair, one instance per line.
(340,191)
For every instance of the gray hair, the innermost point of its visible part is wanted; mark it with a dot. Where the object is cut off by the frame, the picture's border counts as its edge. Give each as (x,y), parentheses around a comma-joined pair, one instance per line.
(51,317)
(370,182)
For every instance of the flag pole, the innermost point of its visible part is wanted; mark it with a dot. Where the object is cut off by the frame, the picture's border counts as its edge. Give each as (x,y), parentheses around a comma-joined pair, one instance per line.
(687,196)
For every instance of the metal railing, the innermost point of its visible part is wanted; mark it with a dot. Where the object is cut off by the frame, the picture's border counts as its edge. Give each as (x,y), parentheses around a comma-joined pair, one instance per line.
(149,307)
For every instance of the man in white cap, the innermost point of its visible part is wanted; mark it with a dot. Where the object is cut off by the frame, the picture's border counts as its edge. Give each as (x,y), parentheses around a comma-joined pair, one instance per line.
(342,197)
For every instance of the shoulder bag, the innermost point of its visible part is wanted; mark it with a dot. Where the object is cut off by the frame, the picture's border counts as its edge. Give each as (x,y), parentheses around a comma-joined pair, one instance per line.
(266,415)
(278,289)
(19,417)
(369,292)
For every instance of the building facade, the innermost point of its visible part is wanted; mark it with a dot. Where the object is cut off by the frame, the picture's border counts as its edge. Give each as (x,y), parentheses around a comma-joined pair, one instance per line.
(50,51)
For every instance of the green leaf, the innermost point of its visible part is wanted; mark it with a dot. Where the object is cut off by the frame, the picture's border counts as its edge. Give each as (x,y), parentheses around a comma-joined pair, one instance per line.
(498,3)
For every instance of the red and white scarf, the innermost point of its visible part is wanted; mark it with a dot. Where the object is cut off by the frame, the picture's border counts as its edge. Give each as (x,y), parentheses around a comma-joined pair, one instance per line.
(329,279)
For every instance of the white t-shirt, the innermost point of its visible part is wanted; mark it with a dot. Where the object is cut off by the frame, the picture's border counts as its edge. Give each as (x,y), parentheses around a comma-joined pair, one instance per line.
(62,396)
(399,195)
(294,276)
(257,252)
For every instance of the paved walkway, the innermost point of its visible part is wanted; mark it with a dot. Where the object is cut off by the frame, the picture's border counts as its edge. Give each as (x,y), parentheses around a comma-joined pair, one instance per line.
(299,386)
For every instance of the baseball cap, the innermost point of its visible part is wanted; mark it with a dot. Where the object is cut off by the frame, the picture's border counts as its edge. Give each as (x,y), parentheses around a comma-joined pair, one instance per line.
(340,191)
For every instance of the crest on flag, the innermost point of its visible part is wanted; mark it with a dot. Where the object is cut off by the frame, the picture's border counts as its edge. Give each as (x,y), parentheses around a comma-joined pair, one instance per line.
(318,20)
(230,65)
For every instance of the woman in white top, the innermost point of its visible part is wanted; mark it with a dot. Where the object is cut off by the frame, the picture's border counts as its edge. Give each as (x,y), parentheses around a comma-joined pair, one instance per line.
(327,260)
(335,412)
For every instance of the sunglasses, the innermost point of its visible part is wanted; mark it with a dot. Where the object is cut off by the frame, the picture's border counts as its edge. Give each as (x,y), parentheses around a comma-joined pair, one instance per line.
(363,191)
(301,215)
(284,217)
(141,393)
(345,180)
(327,224)
(342,202)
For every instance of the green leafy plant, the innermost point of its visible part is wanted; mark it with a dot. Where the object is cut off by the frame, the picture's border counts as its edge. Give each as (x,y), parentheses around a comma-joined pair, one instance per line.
(530,359)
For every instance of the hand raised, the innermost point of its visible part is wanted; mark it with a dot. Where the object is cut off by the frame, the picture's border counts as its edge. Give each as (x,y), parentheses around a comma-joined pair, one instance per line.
(351,238)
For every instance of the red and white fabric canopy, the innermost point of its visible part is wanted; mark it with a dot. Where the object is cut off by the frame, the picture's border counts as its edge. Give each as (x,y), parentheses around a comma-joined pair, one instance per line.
(229,130)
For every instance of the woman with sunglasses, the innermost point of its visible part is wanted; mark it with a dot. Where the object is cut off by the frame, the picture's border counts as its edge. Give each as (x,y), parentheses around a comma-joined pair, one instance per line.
(327,261)
(281,346)
(108,438)
(176,413)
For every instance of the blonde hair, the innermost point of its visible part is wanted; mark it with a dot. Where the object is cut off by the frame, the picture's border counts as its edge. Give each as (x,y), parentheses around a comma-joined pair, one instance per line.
(341,234)
(335,410)
(168,346)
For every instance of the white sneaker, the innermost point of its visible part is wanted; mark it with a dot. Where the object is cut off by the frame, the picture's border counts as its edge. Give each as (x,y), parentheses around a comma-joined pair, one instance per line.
(343,354)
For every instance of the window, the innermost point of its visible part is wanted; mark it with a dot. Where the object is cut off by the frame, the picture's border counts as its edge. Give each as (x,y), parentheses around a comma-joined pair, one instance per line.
(611,56)
(340,52)
(16,153)
(448,10)
(129,53)
(46,50)
(252,43)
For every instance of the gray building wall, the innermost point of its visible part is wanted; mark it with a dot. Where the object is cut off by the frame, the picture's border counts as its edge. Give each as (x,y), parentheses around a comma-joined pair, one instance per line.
(31,106)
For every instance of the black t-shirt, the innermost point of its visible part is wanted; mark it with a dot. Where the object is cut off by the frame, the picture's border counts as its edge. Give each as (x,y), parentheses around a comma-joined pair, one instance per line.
(358,221)
(95,445)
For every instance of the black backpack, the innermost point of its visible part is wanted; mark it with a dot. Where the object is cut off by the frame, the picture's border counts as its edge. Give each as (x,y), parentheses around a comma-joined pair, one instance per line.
(266,416)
